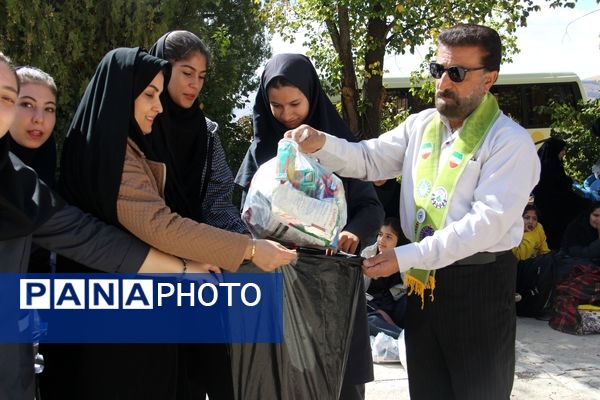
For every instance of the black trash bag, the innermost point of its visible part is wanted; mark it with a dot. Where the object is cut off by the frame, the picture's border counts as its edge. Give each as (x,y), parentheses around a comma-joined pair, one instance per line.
(319,307)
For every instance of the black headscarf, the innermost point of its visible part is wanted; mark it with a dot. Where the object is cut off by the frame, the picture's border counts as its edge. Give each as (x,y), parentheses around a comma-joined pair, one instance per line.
(180,140)
(552,176)
(25,202)
(298,70)
(580,232)
(42,159)
(94,150)
(553,195)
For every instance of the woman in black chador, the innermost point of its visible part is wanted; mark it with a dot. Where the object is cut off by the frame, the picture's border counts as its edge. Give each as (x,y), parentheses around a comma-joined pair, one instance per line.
(553,196)
(289,95)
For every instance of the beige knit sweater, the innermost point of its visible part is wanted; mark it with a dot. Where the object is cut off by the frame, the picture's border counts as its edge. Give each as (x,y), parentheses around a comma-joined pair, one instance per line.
(141,209)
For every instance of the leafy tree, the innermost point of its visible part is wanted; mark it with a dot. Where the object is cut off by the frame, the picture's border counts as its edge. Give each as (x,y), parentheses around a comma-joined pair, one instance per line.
(238,140)
(239,44)
(574,125)
(67,38)
(348,39)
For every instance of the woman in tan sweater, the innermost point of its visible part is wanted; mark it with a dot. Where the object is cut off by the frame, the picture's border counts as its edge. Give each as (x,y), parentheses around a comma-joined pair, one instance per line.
(107,170)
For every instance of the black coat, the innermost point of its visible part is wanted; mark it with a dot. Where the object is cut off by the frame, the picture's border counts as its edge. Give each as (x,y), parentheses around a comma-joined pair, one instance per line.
(581,239)
(69,232)
(557,203)
(365,213)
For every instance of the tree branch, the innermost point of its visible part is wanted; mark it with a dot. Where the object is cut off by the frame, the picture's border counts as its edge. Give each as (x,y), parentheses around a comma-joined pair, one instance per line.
(334,34)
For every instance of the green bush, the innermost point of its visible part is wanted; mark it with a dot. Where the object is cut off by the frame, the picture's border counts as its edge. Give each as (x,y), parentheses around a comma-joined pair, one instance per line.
(574,126)
(236,138)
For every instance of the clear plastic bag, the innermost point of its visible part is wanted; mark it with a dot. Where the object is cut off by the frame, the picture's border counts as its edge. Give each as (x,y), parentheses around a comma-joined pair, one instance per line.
(294,200)
(384,349)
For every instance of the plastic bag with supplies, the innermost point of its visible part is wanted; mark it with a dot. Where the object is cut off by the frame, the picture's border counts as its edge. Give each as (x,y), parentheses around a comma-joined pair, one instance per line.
(294,200)
(384,349)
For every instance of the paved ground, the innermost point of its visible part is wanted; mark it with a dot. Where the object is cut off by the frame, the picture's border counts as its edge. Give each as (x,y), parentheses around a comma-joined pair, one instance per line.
(550,365)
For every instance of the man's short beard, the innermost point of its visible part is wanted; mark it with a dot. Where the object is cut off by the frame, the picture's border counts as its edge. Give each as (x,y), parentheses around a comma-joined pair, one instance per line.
(461,108)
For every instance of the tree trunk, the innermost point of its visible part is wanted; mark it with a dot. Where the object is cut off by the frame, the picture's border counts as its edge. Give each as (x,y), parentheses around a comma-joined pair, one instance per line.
(373,85)
(342,43)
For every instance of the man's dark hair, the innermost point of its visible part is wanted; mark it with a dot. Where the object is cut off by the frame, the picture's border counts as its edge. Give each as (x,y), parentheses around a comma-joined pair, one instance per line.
(475,35)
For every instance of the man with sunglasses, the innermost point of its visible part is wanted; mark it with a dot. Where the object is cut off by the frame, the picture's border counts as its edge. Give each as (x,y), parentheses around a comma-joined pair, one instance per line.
(467,172)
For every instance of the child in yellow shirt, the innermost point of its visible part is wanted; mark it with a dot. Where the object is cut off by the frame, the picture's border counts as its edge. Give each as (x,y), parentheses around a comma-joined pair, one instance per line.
(535,268)
(533,243)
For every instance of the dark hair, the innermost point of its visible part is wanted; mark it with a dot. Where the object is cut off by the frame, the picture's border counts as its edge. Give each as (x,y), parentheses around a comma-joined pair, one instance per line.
(394,223)
(279,81)
(531,207)
(179,45)
(5,60)
(29,74)
(475,35)
(593,207)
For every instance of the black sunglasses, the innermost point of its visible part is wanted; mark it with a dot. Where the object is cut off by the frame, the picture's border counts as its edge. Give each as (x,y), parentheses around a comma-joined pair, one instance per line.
(456,74)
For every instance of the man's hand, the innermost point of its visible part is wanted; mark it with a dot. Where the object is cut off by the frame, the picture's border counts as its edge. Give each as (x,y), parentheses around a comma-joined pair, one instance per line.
(382,265)
(309,139)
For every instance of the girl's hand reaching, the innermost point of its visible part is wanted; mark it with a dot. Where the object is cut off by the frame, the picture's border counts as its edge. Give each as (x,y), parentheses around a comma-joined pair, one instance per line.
(269,255)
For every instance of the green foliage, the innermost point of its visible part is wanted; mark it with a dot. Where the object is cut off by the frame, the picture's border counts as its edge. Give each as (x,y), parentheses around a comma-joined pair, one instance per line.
(392,115)
(574,126)
(367,26)
(239,138)
(67,39)
(234,30)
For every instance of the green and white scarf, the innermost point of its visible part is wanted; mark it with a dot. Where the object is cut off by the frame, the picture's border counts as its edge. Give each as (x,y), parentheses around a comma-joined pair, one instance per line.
(433,191)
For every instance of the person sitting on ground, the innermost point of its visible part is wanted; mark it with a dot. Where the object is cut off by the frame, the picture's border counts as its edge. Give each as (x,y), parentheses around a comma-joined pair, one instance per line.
(534,270)
(591,185)
(534,242)
(386,300)
(577,289)
(582,237)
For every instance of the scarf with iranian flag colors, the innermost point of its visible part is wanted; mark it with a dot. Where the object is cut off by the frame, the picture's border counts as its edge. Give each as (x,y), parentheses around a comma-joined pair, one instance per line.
(435,186)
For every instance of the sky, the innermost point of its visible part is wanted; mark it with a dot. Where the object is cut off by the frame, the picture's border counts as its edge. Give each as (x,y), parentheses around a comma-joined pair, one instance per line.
(562,40)
(553,41)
